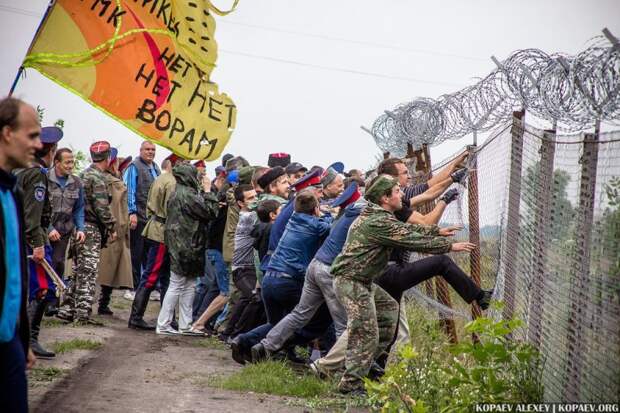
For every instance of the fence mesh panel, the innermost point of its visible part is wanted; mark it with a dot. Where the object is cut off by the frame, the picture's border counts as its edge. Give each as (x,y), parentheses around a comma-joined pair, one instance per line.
(549,219)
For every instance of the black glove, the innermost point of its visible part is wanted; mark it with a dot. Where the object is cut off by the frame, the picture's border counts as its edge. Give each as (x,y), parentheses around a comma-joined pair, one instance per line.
(459,175)
(449,196)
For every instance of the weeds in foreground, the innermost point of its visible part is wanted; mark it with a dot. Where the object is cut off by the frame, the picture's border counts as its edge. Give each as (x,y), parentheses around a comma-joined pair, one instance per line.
(75,344)
(276,377)
(211,343)
(440,377)
(44,374)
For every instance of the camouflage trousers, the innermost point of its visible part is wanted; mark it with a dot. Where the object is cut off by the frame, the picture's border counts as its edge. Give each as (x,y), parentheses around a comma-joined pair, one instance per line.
(372,317)
(80,295)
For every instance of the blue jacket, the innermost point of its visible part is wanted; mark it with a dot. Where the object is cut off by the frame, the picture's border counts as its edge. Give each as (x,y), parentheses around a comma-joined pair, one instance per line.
(301,239)
(338,234)
(277,229)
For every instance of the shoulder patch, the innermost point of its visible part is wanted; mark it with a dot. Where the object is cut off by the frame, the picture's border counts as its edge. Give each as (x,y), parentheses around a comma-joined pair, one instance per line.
(39,193)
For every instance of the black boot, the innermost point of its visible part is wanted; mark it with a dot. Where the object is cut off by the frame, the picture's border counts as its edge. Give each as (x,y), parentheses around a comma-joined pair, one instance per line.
(138,307)
(36,309)
(484,299)
(104,301)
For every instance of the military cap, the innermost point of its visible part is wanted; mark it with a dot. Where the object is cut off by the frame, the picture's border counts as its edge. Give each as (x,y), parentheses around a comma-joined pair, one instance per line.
(113,155)
(100,151)
(279,159)
(328,176)
(200,164)
(219,170)
(337,166)
(350,195)
(295,167)
(309,179)
(51,134)
(236,163)
(270,176)
(123,165)
(245,174)
(378,188)
(174,159)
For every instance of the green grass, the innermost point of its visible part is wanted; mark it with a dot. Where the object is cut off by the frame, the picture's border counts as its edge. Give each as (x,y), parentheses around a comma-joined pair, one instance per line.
(45,374)
(277,378)
(121,304)
(211,343)
(52,322)
(76,344)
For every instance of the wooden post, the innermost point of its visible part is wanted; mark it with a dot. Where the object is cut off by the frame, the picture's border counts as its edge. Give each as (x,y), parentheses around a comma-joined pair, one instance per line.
(578,293)
(474,225)
(513,218)
(542,220)
(443,293)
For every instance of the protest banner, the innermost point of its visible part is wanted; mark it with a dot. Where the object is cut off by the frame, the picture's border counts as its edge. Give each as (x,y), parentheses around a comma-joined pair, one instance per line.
(146,63)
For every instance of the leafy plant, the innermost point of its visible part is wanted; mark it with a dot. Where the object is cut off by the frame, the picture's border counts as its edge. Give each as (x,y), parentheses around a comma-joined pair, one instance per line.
(452,378)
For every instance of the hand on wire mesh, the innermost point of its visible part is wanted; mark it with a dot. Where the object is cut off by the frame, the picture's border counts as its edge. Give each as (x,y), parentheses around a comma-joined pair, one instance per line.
(450,231)
(459,175)
(449,196)
(463,247)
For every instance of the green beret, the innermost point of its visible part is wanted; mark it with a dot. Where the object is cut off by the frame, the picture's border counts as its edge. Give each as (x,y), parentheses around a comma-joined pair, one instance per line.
(379,187)
(245,174)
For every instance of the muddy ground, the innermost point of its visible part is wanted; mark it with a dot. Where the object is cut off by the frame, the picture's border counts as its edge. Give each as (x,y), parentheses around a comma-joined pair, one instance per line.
(137,371)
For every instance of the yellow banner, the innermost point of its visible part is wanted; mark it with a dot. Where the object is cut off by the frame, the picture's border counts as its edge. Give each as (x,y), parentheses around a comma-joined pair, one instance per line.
(146,63)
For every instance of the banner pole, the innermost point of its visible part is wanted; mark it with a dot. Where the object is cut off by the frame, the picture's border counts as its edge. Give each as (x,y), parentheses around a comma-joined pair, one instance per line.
(20,71)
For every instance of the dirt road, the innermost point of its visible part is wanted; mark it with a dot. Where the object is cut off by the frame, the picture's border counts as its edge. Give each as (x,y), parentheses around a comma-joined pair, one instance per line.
(138,372)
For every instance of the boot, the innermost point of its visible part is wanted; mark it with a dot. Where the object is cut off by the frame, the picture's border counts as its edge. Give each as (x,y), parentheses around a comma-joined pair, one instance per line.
(36,309)
(484,299)
(138,307)
(104,301)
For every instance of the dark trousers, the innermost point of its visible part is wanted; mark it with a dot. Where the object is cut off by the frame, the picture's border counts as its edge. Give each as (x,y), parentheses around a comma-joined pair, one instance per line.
(399,278)
(59,253)
(280,296)
(13,385)
(156,267)
(138,251)
(245,281)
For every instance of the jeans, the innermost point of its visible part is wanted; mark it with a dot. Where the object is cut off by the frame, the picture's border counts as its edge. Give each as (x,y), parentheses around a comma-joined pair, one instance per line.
(317,289)
(59,254)
(221,270)
(206,288)
(13,385)
(180,291)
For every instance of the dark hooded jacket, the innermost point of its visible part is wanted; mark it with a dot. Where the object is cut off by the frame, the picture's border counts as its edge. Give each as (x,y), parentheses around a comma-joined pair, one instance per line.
(190,210)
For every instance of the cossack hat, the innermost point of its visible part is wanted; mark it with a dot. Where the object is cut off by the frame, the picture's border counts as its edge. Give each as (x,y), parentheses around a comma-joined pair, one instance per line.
(328,176)
(199,164)
(279,159)
(100,151)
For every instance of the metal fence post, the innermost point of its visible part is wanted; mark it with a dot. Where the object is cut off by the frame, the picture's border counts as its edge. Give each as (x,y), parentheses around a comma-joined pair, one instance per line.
(578,294)
(474,223)
(542,220)
(513,217)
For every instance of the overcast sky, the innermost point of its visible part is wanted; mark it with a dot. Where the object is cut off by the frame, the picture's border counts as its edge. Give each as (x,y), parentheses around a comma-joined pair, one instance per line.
(306,74)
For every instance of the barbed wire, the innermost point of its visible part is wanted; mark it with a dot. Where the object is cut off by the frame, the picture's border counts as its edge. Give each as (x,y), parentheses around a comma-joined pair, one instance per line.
(573,92)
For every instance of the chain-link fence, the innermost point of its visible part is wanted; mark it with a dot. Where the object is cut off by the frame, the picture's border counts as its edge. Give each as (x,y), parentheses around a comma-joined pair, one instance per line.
(548,221)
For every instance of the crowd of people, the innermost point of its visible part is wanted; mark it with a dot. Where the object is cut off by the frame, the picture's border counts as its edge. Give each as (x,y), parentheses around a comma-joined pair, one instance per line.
(265,258)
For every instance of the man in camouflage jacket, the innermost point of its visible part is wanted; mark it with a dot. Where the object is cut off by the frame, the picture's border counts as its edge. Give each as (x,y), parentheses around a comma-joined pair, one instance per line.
(190,210)
(98,228)
(372,315)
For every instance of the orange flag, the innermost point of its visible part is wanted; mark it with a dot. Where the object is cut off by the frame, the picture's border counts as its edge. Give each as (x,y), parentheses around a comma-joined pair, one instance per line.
(146,63)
